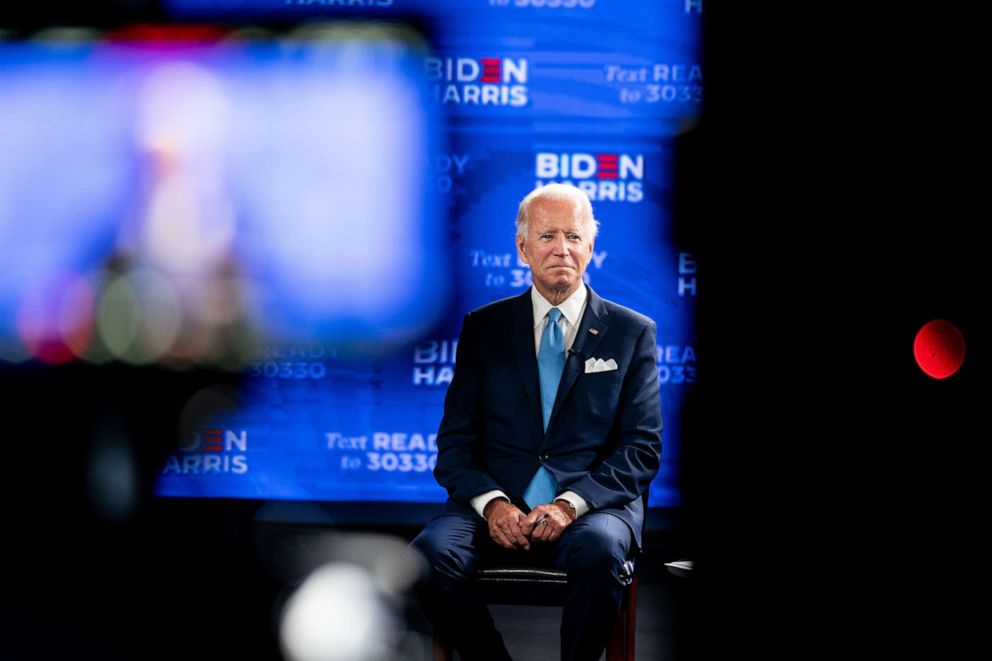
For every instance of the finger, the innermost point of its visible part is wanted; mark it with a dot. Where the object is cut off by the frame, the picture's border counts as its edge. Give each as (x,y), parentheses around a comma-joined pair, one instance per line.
(517,534)
(555,525)
(540,531)
(496,537)
(502,540)
(558,528)
(535,514)
(498,533)
(512,537)
(547,528)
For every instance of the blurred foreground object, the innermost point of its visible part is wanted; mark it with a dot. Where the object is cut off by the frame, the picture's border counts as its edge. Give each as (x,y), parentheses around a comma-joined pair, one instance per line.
(181,196)
(337,615)
(350,603)
(173,201)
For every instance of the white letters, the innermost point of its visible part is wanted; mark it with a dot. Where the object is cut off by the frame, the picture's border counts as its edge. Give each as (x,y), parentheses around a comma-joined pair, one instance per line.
(547,166)
(468,70)
(232,440)
(515,71)
(631,167)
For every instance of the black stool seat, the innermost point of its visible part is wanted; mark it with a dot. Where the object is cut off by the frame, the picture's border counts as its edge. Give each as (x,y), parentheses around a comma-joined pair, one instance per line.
(529,586)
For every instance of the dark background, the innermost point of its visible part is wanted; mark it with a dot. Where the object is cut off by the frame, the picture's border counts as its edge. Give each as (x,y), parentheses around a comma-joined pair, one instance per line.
(839,497)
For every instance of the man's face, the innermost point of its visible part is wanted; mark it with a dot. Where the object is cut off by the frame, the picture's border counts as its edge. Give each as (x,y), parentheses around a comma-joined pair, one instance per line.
(558,247)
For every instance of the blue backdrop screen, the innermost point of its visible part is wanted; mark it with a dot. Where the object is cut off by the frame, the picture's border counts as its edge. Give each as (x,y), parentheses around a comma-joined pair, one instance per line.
(391,167)
(590,92)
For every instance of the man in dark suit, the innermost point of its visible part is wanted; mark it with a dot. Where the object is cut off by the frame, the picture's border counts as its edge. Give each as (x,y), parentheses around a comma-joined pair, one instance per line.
(551,435)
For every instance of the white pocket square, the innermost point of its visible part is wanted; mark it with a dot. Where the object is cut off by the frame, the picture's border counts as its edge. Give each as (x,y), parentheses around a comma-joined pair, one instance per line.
(600,365)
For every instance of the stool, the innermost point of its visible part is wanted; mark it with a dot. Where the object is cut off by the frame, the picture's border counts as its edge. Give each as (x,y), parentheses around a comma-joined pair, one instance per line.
(542,586)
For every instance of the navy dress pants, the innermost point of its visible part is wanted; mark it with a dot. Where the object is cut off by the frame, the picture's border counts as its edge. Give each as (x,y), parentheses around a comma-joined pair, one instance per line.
(591,551)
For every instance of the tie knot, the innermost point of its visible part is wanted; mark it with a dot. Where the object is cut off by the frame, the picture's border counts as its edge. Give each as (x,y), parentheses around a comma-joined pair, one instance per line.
(554,314)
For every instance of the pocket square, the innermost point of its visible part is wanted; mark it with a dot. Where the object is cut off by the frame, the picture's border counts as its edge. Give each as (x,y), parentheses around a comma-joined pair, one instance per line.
(599,365)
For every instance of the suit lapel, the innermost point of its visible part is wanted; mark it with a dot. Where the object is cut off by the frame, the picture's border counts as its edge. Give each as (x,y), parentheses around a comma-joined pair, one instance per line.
(523,339)
(591,330)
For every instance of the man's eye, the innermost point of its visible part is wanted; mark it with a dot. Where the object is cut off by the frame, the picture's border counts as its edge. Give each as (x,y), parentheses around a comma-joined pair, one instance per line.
(574,237)
(547,237)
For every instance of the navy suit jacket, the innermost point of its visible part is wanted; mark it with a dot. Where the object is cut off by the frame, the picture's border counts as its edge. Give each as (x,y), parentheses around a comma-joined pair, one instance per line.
(604,438)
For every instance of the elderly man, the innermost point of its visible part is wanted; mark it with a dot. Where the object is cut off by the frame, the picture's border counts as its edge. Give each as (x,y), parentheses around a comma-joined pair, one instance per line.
(551,434)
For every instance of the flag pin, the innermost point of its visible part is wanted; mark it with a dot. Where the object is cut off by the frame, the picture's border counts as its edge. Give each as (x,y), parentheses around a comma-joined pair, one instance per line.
(594,331)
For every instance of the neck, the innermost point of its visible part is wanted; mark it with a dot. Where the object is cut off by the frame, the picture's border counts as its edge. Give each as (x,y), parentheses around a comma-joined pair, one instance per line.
(557,296)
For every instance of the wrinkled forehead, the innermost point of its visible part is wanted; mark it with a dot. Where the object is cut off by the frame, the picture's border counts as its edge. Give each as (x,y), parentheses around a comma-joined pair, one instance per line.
(555,214)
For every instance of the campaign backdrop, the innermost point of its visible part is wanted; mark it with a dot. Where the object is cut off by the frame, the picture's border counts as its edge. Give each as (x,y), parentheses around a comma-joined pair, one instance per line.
(591,92)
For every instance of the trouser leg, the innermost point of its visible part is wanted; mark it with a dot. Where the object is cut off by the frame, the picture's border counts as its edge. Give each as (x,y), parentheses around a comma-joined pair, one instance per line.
(592,551)
(450,544)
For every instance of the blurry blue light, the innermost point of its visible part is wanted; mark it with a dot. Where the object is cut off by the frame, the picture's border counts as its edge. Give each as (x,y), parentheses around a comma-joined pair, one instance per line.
(297,165)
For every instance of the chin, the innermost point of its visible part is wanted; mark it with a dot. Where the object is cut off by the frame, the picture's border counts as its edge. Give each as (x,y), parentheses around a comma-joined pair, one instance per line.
(562,284)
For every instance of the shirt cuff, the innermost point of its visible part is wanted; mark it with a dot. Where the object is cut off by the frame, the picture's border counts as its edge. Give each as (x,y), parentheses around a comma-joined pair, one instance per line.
(577,501)
(479,502)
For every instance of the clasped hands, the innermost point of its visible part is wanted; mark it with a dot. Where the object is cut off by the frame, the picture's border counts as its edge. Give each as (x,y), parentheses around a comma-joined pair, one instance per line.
(512,529)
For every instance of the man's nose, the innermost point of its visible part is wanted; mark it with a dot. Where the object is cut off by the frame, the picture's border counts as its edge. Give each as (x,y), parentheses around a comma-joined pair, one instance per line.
(561,245)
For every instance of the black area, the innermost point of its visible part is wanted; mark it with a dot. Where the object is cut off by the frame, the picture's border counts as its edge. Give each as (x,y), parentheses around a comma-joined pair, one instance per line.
(834,490)
(161,580)
(27,17)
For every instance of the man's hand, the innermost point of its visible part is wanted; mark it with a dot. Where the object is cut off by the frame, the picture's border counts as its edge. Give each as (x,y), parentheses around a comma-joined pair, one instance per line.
(504,524)
(547,522)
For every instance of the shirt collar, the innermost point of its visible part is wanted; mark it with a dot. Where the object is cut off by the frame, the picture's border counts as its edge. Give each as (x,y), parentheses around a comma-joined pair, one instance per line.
(571,307)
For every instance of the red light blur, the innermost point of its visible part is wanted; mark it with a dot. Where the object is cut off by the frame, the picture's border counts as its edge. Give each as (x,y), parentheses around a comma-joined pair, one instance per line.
(939,348)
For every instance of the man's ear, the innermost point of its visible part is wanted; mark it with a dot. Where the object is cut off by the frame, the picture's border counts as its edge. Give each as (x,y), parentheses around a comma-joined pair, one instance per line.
(520,252)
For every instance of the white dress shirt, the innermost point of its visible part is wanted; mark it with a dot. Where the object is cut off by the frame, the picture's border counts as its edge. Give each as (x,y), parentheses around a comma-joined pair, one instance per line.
(571,314)
(572,309)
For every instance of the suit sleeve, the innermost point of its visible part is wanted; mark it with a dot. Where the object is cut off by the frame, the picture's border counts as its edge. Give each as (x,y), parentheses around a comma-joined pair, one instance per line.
(625,474)
(461,467)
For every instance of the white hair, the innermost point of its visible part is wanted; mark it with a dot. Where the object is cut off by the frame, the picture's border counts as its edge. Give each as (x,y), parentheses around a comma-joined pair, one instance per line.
(557,192)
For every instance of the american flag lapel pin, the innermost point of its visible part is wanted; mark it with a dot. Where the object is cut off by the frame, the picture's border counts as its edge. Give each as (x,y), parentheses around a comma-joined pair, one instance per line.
(594,331)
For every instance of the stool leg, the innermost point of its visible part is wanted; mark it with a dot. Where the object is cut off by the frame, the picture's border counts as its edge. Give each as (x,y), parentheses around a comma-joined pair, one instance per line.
(441,650)
(621,644)
(631,620)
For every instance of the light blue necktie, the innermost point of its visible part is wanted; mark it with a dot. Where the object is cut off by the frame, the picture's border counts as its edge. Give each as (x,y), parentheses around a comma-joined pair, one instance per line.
(550,363)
